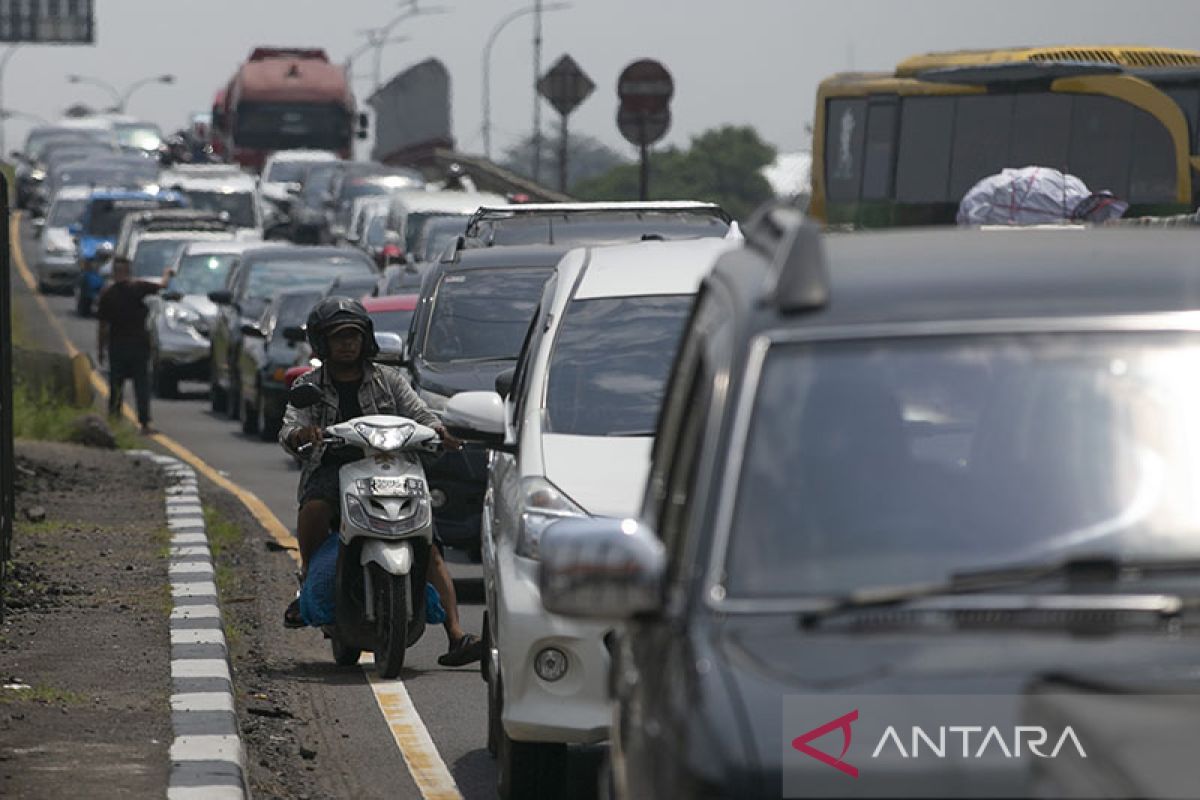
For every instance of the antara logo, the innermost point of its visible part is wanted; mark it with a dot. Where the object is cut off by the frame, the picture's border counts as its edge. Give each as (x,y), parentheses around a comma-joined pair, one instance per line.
(843,723)
(939,742)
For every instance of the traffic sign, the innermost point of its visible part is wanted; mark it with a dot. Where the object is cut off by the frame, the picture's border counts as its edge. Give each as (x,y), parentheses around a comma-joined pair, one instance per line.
(566,85)
(47,21)
(641,128)
(645,86)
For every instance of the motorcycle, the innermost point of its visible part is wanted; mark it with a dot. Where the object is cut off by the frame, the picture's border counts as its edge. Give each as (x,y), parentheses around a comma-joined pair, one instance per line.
(385,536)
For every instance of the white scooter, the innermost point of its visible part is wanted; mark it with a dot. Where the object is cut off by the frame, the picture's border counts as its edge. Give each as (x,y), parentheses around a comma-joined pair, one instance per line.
(385,537)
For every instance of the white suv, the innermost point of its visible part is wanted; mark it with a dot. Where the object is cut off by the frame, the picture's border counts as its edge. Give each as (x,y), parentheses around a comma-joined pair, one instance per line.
(572,438)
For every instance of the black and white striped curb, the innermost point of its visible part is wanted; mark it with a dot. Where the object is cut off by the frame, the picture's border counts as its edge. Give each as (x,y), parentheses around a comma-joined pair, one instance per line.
(207,756)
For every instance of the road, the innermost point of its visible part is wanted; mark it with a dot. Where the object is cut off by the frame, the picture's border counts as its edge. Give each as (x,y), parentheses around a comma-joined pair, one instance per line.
(451,703)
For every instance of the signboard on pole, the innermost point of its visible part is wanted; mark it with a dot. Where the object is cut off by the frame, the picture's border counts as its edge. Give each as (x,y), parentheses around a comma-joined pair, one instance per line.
(643,129)
(645,88)
(566,86)
(48,21)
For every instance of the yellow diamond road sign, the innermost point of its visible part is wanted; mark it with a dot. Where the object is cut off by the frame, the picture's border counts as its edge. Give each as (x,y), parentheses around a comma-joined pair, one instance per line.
(565,85)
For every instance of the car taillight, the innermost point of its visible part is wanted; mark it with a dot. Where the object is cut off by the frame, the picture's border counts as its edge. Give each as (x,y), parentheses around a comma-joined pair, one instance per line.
(390,253)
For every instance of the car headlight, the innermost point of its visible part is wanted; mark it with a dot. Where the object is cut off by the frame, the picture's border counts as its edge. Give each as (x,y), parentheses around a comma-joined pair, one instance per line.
(543,504)
(181,318)
(386,439)
(37,176)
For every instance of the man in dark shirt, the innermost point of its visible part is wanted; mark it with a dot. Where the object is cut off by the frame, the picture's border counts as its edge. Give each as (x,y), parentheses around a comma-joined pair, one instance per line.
(123,340)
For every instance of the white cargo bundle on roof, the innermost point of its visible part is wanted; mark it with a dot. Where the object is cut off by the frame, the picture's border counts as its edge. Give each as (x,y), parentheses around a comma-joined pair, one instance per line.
(1035,196)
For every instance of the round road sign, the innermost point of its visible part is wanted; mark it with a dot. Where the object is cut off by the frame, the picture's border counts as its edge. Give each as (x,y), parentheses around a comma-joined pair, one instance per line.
(645,86)
(641,128)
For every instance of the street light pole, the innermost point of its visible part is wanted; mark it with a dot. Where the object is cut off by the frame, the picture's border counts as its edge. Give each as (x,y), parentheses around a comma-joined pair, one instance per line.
(8,54)
(537,101)
(105,85)
(487,65)
(164,79)
(378,37)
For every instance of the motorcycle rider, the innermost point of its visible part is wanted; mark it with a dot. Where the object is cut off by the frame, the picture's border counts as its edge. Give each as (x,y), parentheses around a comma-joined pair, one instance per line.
(343,337)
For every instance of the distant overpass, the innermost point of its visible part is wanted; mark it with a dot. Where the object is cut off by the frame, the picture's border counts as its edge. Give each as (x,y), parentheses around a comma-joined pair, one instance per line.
(435,160)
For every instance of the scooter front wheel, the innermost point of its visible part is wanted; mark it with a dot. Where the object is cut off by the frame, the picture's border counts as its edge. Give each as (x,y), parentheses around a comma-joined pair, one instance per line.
(391,621)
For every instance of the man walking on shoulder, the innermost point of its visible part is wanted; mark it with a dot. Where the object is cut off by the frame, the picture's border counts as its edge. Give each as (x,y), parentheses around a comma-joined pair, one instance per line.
(123,341)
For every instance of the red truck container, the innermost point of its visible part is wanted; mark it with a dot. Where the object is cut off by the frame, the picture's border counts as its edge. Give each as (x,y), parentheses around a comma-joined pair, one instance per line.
(287,98)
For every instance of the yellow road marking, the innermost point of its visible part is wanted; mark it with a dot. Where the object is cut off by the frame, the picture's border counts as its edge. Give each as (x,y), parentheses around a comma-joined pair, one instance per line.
(425,764)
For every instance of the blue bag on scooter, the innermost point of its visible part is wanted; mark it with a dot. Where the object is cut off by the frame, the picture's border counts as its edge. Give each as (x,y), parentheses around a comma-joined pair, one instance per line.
(319,591)
(435,613)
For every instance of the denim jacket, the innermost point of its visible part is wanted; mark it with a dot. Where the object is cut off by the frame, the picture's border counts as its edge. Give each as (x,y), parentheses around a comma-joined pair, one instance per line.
(384,390)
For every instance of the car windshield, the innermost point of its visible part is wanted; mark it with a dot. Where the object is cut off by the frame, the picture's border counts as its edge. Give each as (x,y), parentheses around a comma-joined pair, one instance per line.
(438,235)
(202,273)
(141,136)
(292,311)
(317,181)
(106,216)
(65,213)
(39,141)
(155,255)
(283,126)
(287,172)
(482,314)
(610,364)
(904,461)
(85,174)
(392,321)
(238,205)
(269,277)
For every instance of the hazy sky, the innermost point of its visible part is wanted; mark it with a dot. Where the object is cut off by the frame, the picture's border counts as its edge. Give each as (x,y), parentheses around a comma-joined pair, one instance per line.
(753,62)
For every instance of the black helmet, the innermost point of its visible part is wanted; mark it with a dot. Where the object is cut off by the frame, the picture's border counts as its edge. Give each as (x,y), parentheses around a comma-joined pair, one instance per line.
(336,312)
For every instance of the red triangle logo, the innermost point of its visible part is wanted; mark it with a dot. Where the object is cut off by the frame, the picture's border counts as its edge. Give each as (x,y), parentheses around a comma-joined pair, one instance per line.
(842,723)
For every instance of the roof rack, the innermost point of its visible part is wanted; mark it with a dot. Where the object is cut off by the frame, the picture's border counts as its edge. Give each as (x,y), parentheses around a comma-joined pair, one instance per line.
(795,250)
(532,209)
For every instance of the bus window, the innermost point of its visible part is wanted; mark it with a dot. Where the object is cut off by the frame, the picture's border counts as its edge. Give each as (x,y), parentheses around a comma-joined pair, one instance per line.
(923,168)
(877,163)
(982,129)
(1041,131)
(1101,136)
(1152,178)
(844,135)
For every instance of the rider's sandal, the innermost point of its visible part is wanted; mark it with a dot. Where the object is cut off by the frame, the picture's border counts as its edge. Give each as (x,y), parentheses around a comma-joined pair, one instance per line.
(291,617)
(465,651)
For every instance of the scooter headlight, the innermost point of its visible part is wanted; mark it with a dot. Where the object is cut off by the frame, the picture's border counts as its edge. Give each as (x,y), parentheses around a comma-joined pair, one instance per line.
(385,439)
(409,514)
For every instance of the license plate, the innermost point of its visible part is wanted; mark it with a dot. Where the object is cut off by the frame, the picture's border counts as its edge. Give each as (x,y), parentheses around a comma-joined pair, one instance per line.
(388,487)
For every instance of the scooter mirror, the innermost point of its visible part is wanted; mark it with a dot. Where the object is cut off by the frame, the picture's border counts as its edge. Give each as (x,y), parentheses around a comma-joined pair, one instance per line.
(304,395)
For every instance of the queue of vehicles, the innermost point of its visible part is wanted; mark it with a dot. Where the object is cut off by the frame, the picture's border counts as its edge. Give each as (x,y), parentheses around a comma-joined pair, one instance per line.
(703,473)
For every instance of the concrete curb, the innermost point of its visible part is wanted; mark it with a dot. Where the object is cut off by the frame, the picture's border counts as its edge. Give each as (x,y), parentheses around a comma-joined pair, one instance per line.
(208,759)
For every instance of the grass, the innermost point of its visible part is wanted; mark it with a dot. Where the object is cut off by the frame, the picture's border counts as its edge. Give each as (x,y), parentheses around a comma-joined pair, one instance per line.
(223,536)
(46,695)
(50,419)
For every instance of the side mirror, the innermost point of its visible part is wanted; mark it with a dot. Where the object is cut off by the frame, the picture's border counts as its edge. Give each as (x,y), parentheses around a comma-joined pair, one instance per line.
(391,348)
(294,333)
(252,329)
(304,395)
(504,382)
(222,297)
(601,568)
(476,417)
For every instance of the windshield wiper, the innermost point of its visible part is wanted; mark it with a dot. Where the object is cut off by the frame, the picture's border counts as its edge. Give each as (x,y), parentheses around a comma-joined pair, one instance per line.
(1098,571)
(629,433)
(479,360)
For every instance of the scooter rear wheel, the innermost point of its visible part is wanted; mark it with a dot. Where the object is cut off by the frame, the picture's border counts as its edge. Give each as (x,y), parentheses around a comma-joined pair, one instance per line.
(391,621)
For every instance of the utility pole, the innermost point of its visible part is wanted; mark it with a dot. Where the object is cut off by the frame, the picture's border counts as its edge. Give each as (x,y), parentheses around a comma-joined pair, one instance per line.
(537,100)
(9,53)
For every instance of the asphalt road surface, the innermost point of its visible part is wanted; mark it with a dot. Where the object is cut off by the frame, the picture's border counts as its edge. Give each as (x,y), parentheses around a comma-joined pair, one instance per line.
(451,703)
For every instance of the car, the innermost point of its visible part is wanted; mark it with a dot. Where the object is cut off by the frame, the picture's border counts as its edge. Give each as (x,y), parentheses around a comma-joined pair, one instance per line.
(360,210)
(152,253)
(266,354)
(260,273)
(234,194)
(57,268)
(358,179)
(382,245)
(31,170)
(308,222)
(56,157)
(437,234)
(410,210)
(161,220)
(468,328)
(574,424)
(181,322)
(283,172)
(355,286)
(908,465)
(113,171)
(97,231)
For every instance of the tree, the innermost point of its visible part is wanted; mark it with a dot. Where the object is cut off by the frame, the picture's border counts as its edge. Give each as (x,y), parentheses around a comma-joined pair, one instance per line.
(586,158)
(723,165)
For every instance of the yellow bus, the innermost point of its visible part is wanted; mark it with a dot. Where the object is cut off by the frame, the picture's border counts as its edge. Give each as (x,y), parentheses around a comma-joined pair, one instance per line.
(903,148)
